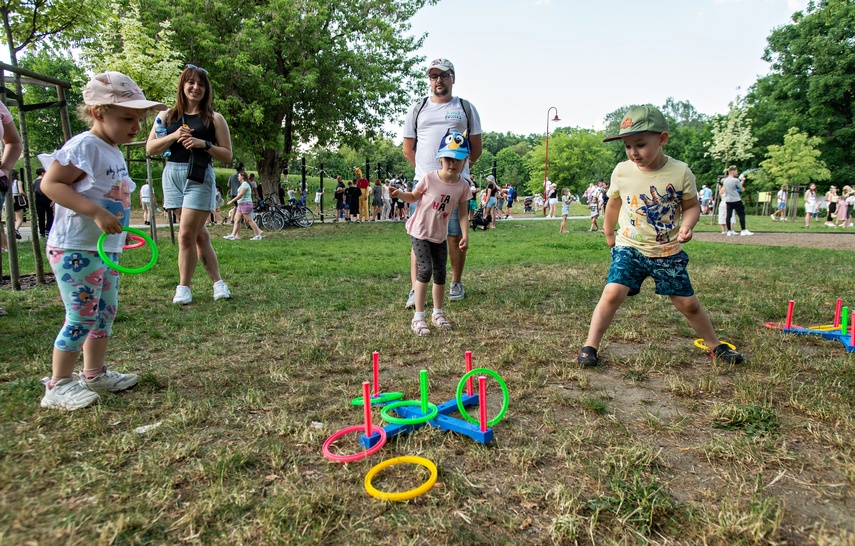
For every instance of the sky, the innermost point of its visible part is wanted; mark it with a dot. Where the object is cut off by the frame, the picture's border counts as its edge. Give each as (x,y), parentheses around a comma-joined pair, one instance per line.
(514,59)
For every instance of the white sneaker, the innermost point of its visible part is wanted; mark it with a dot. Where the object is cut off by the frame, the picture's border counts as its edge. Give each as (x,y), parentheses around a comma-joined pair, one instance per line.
(745,232)
(411,299)
(182,295)
(731,233)
(456,293)
(67,395)
(257,238)
(772,216)
(221,291)
(230,237)
(109,380)
(829,224)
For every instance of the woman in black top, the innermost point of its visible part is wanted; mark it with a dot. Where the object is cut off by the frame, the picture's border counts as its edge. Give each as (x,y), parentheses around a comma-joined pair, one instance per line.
(193,127)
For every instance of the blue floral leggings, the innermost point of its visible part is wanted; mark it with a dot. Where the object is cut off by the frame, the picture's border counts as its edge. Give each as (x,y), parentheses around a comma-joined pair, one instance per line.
(90,292)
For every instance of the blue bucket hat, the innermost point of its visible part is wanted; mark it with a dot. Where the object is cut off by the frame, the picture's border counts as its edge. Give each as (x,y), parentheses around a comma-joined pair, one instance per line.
(454,145)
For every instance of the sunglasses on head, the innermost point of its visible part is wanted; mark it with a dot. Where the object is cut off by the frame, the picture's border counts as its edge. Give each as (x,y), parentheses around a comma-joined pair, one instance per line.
(194,67)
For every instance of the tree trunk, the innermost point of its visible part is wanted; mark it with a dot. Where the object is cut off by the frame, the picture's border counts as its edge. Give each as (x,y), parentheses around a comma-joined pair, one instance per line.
(31,195)
(268,174)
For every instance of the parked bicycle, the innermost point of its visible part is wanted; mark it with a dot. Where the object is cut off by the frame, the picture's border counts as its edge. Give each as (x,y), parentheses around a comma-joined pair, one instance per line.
(276,217)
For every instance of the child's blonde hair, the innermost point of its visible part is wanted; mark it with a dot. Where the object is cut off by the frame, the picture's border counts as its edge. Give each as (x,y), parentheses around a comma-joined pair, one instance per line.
(88,112)
(565,191)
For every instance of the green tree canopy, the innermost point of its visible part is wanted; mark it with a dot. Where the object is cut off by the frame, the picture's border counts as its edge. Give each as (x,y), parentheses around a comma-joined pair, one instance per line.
(576,157)
(732,138)
(797,161)
(511,167)
(288,73)
(812,82)
(44,126)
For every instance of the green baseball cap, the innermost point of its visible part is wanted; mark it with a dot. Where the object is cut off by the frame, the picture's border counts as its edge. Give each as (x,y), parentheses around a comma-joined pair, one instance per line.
(641,119)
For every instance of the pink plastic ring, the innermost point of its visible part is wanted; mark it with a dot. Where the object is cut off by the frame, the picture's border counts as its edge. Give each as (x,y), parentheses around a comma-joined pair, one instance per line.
(356,456)
(139,242)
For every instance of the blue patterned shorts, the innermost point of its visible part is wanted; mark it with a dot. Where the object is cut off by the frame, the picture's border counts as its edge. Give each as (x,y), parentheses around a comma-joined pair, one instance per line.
(630,267)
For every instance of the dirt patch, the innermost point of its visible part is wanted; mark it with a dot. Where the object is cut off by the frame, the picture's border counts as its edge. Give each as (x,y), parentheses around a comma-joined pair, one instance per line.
(830,241)
(28,282)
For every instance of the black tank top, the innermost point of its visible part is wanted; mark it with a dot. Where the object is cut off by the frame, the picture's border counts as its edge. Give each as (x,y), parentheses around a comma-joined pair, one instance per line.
(180,154)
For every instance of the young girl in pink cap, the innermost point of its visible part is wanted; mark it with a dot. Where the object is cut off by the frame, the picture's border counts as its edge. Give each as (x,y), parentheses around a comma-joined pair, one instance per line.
(88,180)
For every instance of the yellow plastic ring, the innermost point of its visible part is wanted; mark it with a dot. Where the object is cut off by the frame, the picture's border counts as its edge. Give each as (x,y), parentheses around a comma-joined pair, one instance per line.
(699,343)
(824,327)
(403,495)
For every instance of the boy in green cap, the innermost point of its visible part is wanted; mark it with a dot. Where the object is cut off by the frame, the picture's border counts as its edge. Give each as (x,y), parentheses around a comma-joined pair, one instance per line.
(654,201)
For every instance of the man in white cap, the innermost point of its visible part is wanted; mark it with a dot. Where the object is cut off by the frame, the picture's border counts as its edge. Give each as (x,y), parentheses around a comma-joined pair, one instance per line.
(424,127)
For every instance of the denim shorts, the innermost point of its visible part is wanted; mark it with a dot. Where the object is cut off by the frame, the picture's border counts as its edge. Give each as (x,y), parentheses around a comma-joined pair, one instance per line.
(491,202)
(630,267)
(178,192)
(454,224)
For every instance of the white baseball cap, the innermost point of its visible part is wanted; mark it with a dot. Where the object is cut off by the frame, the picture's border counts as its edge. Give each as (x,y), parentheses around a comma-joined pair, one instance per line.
(442,64)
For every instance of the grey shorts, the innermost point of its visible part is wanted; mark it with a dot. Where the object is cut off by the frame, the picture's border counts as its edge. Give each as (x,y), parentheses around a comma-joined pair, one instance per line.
(178,192)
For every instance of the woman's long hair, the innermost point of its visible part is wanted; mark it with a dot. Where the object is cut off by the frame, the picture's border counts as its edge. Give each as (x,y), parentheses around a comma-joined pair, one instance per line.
(206,113)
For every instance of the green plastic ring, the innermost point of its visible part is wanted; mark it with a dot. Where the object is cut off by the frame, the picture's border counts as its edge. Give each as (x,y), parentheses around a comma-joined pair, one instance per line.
(130,270)
(502,385)
(434,411)
(382,398)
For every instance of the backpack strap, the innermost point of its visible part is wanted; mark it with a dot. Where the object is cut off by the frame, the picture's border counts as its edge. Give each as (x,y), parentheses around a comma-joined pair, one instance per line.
(417,109)
(419,106)
(467,109)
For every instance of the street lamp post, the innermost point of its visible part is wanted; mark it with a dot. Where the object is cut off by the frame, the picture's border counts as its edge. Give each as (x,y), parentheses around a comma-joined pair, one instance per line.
(546,161)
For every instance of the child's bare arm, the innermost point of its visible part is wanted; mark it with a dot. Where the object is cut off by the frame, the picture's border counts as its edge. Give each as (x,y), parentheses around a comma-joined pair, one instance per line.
(690,215)
(610,220)
(406,196)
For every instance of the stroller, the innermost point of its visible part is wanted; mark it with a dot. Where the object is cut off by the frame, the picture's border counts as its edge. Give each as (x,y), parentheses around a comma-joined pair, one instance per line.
(478,219)
(527,203)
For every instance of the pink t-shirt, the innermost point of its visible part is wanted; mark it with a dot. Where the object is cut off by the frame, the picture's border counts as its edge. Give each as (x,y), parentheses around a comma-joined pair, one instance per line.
(430,221)
(5,117)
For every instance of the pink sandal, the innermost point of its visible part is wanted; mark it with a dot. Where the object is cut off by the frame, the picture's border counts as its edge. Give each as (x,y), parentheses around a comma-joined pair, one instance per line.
(420,327)
(440,322)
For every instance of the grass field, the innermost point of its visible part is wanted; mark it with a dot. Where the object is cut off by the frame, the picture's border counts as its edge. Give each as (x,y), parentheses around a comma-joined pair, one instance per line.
(658,445)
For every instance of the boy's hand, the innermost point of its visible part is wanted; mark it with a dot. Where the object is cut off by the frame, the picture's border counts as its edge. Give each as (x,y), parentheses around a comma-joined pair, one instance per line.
(684,235)
(107,222)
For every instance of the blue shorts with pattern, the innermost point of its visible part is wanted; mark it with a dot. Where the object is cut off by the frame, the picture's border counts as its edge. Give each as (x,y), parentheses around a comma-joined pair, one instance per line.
(630,267)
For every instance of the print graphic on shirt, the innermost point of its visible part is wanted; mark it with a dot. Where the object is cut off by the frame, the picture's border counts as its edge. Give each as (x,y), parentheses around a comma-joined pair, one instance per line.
(119,171)
(440,206)
(118,200)
(455,115)
(660,210)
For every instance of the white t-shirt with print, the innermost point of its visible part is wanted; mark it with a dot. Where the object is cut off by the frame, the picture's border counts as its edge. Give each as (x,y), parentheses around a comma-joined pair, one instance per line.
(106,183)
(435,120)
(145,193)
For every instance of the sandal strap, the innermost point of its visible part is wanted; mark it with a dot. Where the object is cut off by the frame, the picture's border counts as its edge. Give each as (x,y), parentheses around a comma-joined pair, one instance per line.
(420,327)
(441,322)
